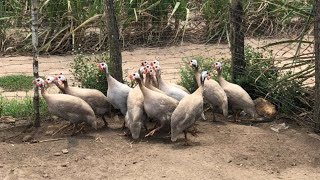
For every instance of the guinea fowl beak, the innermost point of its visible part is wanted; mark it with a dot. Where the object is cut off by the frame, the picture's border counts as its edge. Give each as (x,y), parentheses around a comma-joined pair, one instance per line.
(99,67)
(130,77)
(34,82)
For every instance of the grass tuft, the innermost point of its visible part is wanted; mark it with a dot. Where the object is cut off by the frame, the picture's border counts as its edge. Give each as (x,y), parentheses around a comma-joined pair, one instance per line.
(21,108)
(16,83)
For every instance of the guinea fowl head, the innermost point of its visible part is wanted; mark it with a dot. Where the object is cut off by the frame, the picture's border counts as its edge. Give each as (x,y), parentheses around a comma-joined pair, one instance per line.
(39,82)
(142,70)
(205,75)
(154,63)
(144,63)
(217,66)
(102,66)
(61,78)
(134,76)
(157,68)
(193,63)
(50,79)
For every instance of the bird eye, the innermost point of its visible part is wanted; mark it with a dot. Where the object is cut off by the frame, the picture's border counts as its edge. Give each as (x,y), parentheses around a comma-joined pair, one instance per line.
(38,80)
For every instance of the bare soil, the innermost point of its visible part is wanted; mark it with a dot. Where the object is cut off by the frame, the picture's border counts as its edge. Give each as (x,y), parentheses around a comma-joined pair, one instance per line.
(222,150)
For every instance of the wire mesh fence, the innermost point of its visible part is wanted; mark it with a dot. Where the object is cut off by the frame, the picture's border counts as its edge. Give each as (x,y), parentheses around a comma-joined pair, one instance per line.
(278,32)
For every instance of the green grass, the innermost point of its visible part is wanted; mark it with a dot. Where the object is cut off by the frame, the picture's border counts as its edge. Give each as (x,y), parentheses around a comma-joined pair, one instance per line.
(16,83)
(21,108)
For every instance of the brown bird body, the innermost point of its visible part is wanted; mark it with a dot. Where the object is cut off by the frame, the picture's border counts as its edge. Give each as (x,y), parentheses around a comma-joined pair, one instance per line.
(95,98)
(135,117)
(213,93)
(68,107)
(187,112)
(238,98)
(156,105)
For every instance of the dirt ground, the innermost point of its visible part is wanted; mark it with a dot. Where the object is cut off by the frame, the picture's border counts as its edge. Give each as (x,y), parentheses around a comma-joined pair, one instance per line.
(222,150)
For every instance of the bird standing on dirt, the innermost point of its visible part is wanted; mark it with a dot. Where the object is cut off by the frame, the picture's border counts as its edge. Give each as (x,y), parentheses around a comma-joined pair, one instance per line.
(135,117)
(157,105)
(212,92)
(238,98)
(188,111)
(95,98)
(117,93)
(68,107)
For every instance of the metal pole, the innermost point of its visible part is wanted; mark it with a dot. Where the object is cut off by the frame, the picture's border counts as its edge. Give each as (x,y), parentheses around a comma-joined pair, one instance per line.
(34,28)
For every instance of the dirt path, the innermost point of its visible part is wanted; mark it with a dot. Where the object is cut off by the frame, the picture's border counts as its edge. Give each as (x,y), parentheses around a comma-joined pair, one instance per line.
(223,150)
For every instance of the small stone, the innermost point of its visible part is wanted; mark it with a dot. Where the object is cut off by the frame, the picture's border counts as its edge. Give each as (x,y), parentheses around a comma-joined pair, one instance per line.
(27,138)
(45,175)
(163,176)
(49,133)
(65,151)
(1,166)
(57,154)
(229,161)
(245,158)
(294,164)
(135,162)
(64,165)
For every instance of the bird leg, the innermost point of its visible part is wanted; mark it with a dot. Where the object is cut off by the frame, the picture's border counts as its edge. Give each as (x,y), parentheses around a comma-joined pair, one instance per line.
(62,128)
(193,132)
(186,143)
(236,116)
(213,116)
(83,125)
(104,120)
(123,125)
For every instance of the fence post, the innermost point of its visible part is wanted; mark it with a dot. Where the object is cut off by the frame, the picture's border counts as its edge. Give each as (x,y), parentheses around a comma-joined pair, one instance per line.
(34,28)
(237,39)
(113,38)
(317,65)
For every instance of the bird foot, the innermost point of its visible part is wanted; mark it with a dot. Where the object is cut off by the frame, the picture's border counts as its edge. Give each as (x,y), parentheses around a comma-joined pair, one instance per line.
(193,132)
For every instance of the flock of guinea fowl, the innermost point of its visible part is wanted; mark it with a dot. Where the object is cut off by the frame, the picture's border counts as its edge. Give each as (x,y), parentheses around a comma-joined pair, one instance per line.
(168,104)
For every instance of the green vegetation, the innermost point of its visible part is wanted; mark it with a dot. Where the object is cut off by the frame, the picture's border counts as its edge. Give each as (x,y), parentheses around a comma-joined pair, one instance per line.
(84,69)
(21,108)
(16,83)
(261,79)
(67,25)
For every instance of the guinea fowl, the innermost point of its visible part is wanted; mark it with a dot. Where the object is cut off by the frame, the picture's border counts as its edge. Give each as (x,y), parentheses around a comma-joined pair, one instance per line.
(95,98)
(117,93)
(150,79)
(157,63)
(188,111)
(51,80)
(212,92)
(238,98)
(168,88)
(156,105)
(135,116)
(67,107)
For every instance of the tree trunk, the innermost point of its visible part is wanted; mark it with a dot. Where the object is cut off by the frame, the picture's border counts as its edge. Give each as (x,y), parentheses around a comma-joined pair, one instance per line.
(317,65)
(34,28)
(114,44)
(237,39)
